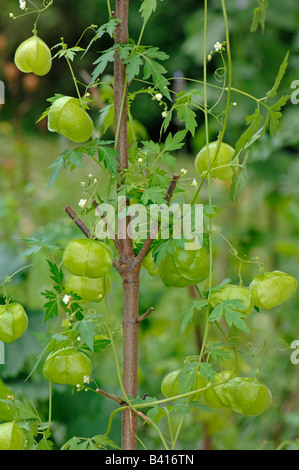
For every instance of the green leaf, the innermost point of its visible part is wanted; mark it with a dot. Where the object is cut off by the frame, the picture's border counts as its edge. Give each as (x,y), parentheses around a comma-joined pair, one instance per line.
(102,62)
(259,15)
(189,312)
(253,121)
(186,377)
(156,71)
(230,309)
(57,273)
(133,64)
(104,441)
(174,142)
(75,159)
(282,69)
(109,157)
(107,116)
(57,165)
(187,116)
(207,371)
(275,114)
(154,194)
(87,330)
(147,8)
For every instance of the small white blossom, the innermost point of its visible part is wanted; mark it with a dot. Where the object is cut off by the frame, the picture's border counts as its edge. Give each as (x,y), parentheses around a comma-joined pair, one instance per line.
(95,180)
(164,114)
(82,203)
(22,5)
(159,96)
(183,171)
(234,103)
(90,175)
(218,46)
(82,183)
(194,182)
(140,160)
(11,15)
(86,379)
(78,338)
(66,299)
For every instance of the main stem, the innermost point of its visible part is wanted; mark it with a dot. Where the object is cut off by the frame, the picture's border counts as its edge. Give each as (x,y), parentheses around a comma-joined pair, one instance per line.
(128,272)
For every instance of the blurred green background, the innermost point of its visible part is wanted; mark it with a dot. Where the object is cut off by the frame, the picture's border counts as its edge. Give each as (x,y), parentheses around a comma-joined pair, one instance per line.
(263,222)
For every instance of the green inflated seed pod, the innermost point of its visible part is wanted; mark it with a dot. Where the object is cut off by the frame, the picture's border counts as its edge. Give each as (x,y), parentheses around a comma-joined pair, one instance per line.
(13,322)
(67,366)
(67,117)
(89,289)
(170,385)
(272,289)
(184,267)
(233,292)
(214,395)
(247,396)
(12,437)
(149,264)
(33,55)
(88,258)
(224,157)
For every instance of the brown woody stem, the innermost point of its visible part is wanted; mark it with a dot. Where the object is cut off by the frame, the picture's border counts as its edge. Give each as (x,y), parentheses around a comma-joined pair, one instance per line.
(72,214)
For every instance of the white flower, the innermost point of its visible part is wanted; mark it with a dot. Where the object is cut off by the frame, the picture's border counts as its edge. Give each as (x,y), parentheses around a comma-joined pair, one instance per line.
(82,203)
(194,182)
(82,183)
(140,160)
(86,379)
(11,15)
(164,114)
(22,5)
(90,175)
(78,338)
(95,180)
(159,96)
(66,299)
(183,171)
(218,46)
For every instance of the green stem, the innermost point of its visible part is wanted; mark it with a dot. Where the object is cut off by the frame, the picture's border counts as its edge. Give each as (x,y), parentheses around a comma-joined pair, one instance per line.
(50,407)
(74,79)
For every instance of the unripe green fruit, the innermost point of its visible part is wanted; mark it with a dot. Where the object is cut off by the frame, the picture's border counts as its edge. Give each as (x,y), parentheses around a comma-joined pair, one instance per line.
(67,366)
(233,292)
(12,437)
(88,258)
(170,385)
(149,264)
(67,117)
(184,267)
(272,289)
(13,322)
(89,289)
(247,396)
(33,55)
(224,157)
(214,395)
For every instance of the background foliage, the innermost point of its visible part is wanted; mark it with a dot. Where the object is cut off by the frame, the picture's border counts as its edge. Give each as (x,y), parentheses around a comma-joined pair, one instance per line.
(263,222)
